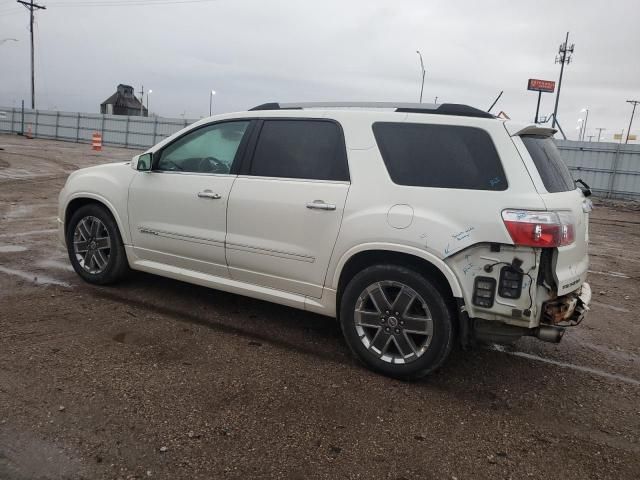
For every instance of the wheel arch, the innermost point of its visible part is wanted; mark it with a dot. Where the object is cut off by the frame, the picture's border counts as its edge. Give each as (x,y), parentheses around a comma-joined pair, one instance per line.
(363,256)
(81,199)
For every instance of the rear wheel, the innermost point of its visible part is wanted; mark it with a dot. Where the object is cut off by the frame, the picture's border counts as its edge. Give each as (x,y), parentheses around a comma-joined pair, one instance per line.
(94,245)
(396,321)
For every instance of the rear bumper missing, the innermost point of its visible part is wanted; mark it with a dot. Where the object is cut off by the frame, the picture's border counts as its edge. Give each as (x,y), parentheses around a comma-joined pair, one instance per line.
(569,309)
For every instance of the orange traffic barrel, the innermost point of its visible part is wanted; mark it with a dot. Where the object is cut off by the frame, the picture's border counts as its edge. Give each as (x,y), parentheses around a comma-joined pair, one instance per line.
(96,141)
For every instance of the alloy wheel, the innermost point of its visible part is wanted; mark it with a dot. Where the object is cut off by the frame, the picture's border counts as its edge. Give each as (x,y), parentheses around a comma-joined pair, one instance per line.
(92,245)
(393,322)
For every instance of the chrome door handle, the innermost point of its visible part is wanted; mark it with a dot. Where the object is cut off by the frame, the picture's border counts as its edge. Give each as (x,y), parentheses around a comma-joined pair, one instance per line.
(209,194)
(320,205)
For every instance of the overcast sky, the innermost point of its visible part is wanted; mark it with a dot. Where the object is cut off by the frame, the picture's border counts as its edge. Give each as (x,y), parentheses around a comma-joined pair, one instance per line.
(255,51)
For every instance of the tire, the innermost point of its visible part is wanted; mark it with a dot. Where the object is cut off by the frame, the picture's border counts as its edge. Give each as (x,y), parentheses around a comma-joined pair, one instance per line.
(95,246)
(407,344)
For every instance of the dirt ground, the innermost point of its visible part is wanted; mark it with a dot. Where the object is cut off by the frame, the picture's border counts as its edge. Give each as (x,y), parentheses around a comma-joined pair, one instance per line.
(155,378)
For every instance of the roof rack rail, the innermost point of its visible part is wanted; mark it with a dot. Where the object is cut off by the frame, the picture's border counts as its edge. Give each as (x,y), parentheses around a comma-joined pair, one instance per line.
(433,108)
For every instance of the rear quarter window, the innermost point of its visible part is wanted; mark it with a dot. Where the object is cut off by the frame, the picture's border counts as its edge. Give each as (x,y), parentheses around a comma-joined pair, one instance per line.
(554,173)
(442,156)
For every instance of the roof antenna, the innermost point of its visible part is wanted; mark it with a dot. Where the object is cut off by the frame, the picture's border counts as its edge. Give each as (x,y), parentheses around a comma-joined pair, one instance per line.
(495,101)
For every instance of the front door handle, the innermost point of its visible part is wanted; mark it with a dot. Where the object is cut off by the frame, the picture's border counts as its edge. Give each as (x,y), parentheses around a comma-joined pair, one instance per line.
(209,194)
(320,205)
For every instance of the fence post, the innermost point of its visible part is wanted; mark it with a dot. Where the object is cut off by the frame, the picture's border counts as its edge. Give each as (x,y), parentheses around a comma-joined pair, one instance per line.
(78,128)
(57,123)
(22,121)
(126,133)
(13,114)
(102,129)
(35,126)
(155,131)
(614,170)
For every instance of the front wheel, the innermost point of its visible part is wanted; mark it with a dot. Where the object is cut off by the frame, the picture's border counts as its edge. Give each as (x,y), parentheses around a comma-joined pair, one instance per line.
(94,245)
(396,321)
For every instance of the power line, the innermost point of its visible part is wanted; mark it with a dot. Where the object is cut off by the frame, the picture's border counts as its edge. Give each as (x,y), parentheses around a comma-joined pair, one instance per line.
(564,57)
(634,103)
(31,7)
(118,3)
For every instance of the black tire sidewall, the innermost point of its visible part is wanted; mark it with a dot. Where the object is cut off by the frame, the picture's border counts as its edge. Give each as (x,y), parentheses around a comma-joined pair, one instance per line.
(443,332)
(117,258)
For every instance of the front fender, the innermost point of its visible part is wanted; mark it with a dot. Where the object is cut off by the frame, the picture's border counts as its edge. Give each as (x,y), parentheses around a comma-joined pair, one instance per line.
(122,224)
(106,184)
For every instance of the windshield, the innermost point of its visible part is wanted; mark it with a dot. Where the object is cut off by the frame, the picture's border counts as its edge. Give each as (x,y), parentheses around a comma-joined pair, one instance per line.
(553,171)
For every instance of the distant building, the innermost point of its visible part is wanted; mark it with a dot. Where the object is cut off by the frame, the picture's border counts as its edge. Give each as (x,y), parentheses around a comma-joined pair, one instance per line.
(123,102)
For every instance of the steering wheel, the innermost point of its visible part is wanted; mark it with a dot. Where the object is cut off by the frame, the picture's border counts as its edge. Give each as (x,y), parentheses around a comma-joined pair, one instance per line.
(212,164)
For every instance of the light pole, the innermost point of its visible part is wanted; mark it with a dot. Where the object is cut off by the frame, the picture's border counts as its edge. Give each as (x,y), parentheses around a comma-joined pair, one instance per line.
(579,128)
(600,129)
(213,92)
(423,72)
(586,119)
(148,111)
(634,103)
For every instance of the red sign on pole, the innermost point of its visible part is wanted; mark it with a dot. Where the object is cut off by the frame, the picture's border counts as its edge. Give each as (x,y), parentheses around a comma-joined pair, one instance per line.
(541,85)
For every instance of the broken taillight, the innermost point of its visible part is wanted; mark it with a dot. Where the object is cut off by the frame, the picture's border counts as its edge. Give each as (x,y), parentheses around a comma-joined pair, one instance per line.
(539,228)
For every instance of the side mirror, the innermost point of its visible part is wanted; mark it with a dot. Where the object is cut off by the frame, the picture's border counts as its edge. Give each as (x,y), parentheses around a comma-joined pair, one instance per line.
(142,163)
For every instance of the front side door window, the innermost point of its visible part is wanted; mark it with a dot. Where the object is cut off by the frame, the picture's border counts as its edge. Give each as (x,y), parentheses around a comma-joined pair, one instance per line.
(209,149)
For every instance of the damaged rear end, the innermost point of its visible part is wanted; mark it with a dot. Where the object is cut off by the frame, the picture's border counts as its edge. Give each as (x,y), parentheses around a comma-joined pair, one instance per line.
(537,286)
(564,266)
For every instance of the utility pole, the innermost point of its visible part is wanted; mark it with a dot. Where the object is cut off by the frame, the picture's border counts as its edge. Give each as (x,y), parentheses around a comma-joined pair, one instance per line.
(634,103)
(31,7)
(564,56)
(142,101)
(600,132)
(423,72)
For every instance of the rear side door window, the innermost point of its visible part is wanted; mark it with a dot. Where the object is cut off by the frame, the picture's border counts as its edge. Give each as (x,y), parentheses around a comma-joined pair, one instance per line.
(300,148)
(440,156)
(554,173)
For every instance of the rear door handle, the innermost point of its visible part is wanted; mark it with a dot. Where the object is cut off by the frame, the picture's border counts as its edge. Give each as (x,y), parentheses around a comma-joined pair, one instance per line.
(209,194)
(320,205)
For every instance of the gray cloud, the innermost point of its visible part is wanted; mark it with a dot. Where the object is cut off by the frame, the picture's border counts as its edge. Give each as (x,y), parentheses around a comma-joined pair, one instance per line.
(253,51)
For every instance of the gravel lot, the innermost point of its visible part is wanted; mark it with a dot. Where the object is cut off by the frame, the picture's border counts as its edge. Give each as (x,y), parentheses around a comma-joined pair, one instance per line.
(154,378)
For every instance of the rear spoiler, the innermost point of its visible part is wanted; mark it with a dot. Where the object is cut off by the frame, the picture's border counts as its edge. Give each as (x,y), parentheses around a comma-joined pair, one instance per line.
(532,129)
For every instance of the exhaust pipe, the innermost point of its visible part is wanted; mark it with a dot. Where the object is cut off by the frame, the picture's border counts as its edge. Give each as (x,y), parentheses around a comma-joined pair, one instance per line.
(549,334)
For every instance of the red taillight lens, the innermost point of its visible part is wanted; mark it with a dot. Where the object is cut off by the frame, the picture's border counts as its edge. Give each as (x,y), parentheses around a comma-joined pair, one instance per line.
(539,229)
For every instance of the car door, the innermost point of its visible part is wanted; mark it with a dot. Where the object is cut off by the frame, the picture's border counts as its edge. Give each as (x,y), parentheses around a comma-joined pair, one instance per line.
(286,207)
(177,211)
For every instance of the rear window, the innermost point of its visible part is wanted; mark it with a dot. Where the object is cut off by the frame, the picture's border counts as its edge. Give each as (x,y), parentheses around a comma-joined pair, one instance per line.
(442,156)
(553,171)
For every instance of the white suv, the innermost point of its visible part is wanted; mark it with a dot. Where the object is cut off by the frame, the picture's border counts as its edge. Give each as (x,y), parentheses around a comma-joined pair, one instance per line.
(416,225)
